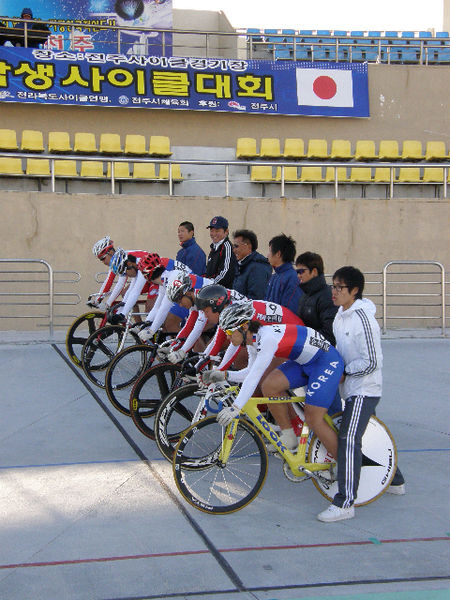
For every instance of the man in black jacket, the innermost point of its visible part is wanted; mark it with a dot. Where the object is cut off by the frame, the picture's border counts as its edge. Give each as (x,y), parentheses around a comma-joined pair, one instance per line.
(221,264)
(316,308)
(254,270)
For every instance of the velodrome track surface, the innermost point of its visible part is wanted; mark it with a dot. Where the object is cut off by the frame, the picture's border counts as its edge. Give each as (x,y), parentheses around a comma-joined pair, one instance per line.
(89,510)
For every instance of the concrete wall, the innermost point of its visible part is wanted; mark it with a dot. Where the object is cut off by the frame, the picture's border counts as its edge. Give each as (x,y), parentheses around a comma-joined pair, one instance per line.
(406,102)
(61,229)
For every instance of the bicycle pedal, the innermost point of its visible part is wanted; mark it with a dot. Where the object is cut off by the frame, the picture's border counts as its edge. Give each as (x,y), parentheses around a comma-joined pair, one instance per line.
(294,478)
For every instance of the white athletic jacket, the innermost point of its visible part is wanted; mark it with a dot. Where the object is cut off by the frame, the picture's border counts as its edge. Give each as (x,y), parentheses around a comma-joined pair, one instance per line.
(358,341)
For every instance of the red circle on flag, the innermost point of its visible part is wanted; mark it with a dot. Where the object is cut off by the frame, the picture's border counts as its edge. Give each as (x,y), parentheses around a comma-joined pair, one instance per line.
(325,87)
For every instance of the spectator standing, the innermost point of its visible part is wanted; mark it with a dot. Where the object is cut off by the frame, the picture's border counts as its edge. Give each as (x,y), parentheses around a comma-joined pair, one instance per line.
(37,33)
(316,308)
(254,270)
(358,341)
(283,286)
(190,253)
(222,264)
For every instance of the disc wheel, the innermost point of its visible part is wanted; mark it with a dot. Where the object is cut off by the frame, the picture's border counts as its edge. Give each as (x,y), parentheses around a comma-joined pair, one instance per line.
(78,333)
(205,482)
(379,462)
(175,414)
(148,392)
(123,371)
(100,348)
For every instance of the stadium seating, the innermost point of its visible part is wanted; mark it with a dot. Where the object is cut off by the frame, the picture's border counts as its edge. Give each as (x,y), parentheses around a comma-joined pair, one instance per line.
(10,166)
(411,175)
(85,143)
(435,151)
(135,144)
(433,175)
(8,140)
(92,169)
(360,174)
(365,150)
(164,173)
(59,142)
(382,175)
(246,148)
(341,150)
(121,170)
(311,175)
(144,171)
(39,167)
(66,168)
(32,141)
(261,173)
(110,143)
(290,174)
(412,150)
(270,148)
(294,148)
(159,146)
(330,174)
(388,150)
(317,149)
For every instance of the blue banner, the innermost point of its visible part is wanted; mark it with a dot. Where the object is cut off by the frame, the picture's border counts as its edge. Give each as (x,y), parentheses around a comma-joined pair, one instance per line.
(85,15)
(251,87)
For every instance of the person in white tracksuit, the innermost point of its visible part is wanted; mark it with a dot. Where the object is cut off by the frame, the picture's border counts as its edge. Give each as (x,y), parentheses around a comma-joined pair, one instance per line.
(358,341)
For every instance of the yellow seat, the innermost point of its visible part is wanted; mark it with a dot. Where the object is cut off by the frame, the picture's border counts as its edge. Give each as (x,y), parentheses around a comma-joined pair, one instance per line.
(92,168)
(110,143)
(32,141)
(38,166)
(290,174)
(270,148)
(435,151)
(365,150)
(360,174)
(317,149)
(246,148)
(159,146)
(8,140)
(341,150)
(85,143)
(412,150)
(294,148)
(10,166)
(341,174)
(388,150)
(382,175)
(311,174)
(135,144)
(433,175)
(144,171)
(411,175)
(121,170)
(164,172)
(66,168)
(261,173)
(59,142)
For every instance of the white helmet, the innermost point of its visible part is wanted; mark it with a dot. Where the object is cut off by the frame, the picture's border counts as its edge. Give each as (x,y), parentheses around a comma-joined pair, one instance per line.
(236,314)
(100,248)
(118,264)
(178,286)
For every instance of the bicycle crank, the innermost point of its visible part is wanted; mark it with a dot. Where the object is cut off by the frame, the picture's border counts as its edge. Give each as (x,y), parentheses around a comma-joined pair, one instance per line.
(294,478)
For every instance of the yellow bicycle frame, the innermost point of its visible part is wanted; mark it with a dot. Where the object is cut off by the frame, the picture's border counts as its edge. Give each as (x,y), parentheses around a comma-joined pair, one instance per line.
(297,462)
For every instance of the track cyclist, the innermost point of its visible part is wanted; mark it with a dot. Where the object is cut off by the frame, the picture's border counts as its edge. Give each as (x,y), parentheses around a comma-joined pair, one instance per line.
(310,360)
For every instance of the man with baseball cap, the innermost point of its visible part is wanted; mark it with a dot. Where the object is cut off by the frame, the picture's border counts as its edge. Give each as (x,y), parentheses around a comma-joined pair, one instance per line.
(221,265)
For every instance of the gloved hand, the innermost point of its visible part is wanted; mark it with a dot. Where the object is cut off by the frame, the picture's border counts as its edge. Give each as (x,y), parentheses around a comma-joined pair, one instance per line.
(202,363)
(92,302)
(213,376)
(146,333)
(164,350)
(227,414)
(103,305)
(176,356)
(117,319)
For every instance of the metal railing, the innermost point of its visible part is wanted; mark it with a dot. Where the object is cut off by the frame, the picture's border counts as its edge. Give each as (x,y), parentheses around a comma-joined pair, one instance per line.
(25,292)
(227,180)
(210,44)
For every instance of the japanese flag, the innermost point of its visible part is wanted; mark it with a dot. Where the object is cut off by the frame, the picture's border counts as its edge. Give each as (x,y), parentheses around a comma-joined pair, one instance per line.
(325,87)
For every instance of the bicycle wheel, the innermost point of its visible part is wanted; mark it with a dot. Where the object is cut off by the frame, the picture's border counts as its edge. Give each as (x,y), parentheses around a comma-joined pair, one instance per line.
(78,333)
(205,482)
(175,414)
(379,462)
(148,392)
(100,348)
(123,371)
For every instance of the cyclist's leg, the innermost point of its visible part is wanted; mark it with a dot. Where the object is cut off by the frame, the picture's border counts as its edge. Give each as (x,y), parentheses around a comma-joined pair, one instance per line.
(357,412)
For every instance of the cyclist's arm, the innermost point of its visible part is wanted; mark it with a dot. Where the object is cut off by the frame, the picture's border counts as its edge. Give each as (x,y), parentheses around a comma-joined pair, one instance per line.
(133,293)
(120,284)
(251,375)
(161,314)
(216,343)
(197,330)
(107,283)
(229,357)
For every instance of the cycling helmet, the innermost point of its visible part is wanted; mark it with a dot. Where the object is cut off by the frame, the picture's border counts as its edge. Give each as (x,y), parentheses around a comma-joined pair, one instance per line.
(215,296)
(236,315)
(149,263)
(100,248)
(179,285)
(118,263)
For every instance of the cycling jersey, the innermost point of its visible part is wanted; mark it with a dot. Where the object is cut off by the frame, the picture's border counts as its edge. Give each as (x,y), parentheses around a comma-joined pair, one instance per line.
(266,313)
(301,345)
(219,338)
(122,279)
(162,306)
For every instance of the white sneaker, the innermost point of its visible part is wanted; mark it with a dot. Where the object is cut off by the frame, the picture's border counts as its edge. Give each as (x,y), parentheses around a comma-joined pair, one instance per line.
(336,513)
(288,439)
(399,490)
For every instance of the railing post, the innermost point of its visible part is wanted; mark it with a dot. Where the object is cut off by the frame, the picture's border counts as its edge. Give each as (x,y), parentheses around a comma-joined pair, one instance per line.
(282,181)
(170,180)
(227,181)
(113,183)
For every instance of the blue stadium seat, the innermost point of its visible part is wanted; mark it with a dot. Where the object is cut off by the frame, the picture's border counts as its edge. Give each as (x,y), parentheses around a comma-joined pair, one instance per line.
(411,52)
(395,54)
(443,53)
(342,50)
(356,53)
(282,53)
(304,51)
(256,34)
(288,35)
